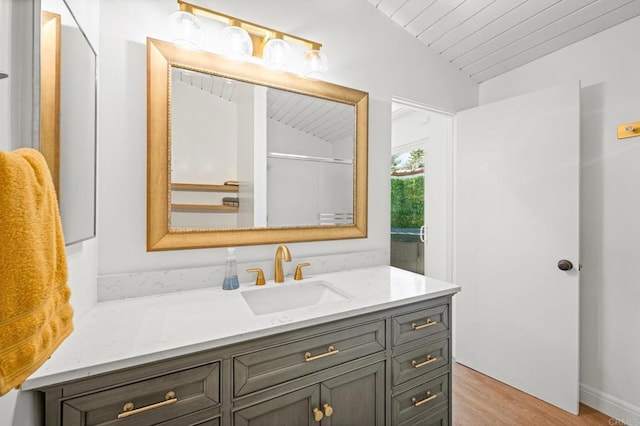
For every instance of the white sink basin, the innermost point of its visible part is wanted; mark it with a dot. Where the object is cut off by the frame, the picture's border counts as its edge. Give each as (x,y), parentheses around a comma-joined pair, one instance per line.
(292,296)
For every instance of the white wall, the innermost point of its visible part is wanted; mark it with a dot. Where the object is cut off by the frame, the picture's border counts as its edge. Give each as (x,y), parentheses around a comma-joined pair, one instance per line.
(201,152)
(366,51)
(609,71)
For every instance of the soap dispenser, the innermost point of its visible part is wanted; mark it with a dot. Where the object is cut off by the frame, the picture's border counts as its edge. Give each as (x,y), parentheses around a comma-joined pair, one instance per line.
(230,274)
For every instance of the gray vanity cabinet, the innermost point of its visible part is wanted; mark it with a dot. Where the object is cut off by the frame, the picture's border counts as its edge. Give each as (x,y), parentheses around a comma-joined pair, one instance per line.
(387,367)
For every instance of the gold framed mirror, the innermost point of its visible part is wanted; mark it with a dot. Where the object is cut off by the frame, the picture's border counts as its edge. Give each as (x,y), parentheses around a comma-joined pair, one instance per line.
(241,155)
(68,117)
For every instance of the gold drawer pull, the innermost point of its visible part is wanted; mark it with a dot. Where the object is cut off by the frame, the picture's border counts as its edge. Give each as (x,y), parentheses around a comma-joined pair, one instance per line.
(429,397)
(330,351)
(429,360)
(128,410)
(429,323)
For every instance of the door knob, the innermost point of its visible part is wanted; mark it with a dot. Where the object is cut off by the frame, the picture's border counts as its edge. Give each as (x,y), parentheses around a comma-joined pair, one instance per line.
(565,265)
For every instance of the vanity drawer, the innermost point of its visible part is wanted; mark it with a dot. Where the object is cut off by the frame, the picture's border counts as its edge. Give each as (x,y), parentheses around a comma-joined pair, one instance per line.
(274,365)
(150,401)
(420,324)
(440,418)
(420,361)
(196,419)
(421,400)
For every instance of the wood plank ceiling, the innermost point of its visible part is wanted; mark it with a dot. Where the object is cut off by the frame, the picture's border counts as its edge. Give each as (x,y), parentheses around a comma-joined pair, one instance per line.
(485,38)
(321,118)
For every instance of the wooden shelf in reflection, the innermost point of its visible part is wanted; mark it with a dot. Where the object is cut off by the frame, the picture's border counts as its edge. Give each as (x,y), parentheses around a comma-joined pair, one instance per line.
(204,208)
(203,187)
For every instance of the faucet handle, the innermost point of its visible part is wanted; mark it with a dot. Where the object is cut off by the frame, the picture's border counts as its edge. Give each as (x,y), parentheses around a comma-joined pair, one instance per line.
(260,278)
(298,275)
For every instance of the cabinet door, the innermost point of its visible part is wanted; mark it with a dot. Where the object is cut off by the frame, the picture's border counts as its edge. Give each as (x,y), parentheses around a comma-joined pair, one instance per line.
(355,398)
(292,409)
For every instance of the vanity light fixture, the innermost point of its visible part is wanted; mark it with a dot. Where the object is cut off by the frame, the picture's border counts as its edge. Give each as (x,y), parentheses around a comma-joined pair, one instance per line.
(243,40)
(276,53)
(237,42)
(185,30)
(315,64)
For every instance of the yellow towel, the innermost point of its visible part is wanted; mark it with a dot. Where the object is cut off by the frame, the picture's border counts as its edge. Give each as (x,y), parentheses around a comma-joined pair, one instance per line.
(35,314)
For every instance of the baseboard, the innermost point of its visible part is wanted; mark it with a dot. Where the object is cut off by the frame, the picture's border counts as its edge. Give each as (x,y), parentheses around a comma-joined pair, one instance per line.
(617,409)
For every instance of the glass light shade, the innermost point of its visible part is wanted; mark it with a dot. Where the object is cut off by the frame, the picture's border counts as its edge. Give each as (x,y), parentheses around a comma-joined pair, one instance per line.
(237,43)
(213,41)
(276,54)
(315,64)
(185,29)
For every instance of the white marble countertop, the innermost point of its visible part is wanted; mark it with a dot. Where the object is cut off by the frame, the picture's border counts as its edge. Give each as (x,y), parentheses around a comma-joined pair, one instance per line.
(124,333)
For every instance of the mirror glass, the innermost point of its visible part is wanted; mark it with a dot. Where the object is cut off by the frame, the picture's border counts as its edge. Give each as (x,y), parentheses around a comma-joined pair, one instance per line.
(245,155)
(68,117)
(239,155)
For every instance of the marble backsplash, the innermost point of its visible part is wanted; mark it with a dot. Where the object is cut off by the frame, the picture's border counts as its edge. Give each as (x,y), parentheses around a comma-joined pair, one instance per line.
(123,286)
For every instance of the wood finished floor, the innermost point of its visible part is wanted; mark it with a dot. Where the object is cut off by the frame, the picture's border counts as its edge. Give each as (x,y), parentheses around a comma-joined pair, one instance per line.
(479,400)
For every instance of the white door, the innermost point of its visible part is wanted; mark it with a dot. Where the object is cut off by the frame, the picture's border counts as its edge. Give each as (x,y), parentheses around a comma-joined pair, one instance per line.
(517,207)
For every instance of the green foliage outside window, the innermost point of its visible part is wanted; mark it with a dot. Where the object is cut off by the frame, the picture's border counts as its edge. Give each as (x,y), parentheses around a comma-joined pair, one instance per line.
(407,202)
(416,159)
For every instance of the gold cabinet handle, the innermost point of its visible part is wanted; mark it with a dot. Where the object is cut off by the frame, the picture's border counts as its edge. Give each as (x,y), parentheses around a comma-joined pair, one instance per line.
(429,323)
(429,397)
(298,275)
(317,415)
(328,410)
(429,360)
(330,351)
(128,409)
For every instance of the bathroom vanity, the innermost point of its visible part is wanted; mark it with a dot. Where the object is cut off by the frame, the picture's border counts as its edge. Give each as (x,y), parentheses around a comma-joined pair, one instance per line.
(372,348)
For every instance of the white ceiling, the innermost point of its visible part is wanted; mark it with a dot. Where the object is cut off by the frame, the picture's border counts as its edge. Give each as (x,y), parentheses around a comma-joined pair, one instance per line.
(485,38)
(327,120)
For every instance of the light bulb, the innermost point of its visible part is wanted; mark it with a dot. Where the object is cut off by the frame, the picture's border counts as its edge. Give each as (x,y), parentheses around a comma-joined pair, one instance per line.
(185,29)
(276,54)
(237,43)
(213,41)
(315,64)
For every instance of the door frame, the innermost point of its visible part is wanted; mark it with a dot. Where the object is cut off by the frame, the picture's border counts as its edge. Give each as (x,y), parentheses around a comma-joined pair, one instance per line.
(448,153)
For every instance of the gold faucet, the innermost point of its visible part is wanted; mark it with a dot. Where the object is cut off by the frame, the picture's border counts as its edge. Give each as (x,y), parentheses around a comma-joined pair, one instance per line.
(278,274)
